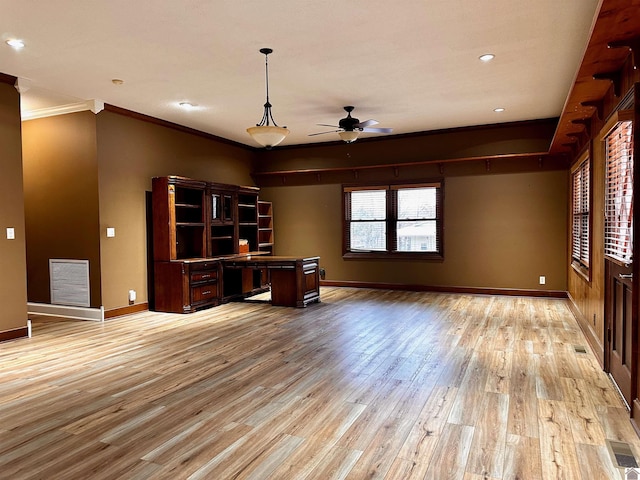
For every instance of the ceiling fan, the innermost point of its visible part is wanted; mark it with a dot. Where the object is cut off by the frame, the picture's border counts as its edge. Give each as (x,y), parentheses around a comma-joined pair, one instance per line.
(349,127)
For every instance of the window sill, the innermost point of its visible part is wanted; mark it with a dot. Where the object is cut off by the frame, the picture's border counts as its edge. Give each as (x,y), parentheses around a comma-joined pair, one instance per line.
(582,271)
(430,257)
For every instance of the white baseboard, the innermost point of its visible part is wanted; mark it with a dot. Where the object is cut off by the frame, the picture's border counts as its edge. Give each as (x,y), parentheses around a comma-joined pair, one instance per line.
(78,313)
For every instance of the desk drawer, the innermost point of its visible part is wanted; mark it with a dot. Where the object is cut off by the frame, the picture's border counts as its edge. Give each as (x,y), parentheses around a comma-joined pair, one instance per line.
(204,293)
(205,265)
(204,276)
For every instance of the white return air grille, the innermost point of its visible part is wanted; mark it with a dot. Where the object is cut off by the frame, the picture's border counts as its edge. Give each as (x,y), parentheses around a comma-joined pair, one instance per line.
(69,281)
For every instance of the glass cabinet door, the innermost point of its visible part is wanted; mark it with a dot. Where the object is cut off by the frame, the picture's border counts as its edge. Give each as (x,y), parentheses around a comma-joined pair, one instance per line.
(221,208)
(216,207)
(227,208)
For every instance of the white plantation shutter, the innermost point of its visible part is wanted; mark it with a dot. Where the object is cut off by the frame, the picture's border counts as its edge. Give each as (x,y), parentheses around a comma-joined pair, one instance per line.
(618,237)
(580,214)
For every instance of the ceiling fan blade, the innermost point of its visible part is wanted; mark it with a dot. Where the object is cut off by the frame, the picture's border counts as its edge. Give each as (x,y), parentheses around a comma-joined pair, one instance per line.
(325,125)
(378,130)
(322,133)
(367,123)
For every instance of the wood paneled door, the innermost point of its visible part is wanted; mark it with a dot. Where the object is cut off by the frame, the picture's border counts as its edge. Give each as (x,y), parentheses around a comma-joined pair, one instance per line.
(621,304)
(620,328)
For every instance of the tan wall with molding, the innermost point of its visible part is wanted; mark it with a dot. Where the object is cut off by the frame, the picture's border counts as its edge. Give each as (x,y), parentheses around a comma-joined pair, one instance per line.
(501,231)
(130,153)
(87,172)
(13,282)
(61,198)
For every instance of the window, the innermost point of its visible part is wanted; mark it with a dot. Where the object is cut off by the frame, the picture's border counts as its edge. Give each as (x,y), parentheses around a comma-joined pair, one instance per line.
(393,220)
(619,193)
(580,207)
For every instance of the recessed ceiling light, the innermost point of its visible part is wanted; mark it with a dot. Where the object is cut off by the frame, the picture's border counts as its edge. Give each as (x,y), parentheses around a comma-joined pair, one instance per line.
(498,110)
(15,43)
(188,105)
(117,81)
(487,57)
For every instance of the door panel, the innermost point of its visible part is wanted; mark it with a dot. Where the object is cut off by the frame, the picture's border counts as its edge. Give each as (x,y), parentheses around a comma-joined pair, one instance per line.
(620,327)
(620,241)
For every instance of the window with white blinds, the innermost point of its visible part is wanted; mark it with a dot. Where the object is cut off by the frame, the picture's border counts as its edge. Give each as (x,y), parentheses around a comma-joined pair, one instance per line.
(393,220)
(580,233)
(618,238)
(368,214)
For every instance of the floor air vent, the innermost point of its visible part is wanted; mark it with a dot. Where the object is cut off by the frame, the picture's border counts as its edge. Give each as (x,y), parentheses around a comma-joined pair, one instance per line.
(579,349)
(622,454)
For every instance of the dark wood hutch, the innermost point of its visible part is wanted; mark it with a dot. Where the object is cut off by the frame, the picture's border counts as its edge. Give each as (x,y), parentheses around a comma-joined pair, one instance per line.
(208,239)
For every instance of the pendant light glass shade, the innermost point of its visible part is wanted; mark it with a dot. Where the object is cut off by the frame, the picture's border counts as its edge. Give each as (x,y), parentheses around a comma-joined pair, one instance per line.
(267,133)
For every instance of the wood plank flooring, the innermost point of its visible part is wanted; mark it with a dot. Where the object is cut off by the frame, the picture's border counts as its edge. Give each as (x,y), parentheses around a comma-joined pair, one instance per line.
(368,384)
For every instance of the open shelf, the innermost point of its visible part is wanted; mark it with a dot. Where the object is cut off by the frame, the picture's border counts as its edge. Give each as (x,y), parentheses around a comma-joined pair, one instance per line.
(265,226)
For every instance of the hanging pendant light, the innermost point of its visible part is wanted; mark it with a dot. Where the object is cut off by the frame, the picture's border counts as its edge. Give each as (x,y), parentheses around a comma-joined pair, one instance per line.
(267,133)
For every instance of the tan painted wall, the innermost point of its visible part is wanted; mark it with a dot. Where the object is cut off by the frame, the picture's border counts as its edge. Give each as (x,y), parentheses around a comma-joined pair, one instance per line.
(508,249)
(13,282)
(130,153)
(61,198)
(501,231)
(517,138)
(505,220)
(87,172)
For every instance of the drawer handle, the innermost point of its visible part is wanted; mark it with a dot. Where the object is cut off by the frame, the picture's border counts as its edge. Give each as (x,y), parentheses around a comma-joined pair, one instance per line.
(206,292)
(206,276)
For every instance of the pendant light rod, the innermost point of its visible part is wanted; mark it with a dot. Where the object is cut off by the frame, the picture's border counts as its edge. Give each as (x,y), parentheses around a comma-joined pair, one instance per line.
(267,116)
(267,133)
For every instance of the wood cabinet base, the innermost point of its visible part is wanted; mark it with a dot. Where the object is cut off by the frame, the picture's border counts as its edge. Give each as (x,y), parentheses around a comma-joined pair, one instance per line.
(295,287)
(186,286)
(295,282)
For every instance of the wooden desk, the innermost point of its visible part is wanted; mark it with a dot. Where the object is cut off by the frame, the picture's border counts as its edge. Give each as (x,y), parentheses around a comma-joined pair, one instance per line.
(295,282)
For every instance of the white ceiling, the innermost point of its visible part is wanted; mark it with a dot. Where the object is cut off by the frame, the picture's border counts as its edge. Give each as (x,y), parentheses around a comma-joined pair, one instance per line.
(412,64)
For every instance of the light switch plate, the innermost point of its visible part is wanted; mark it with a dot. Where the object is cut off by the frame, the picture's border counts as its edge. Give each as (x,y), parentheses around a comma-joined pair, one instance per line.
(111,232)
(11,233)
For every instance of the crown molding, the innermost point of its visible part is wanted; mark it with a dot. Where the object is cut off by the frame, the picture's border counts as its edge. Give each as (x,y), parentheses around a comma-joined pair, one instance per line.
(96,106)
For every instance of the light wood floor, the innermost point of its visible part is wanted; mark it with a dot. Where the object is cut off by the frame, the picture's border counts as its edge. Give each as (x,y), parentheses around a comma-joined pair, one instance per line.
(366,384)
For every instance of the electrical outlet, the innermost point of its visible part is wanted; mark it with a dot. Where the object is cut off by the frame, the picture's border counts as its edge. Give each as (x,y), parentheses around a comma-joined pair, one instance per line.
(11,233)
(543,279)
(132,295)
(111,232)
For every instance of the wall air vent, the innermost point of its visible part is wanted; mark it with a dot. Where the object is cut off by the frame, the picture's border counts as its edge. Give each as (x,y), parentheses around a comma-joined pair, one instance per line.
(69,282)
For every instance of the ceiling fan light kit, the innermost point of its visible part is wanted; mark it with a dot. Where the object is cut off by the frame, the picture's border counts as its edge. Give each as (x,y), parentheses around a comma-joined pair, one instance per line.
(349,136)
(267,133)
(349,128)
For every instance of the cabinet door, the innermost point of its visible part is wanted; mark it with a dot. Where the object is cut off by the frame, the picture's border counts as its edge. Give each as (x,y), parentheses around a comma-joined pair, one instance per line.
(221,208)
(171,287)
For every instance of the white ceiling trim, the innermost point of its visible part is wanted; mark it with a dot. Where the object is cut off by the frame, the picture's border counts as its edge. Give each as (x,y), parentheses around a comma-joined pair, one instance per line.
(96,106)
